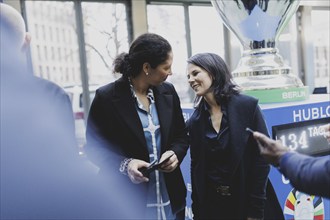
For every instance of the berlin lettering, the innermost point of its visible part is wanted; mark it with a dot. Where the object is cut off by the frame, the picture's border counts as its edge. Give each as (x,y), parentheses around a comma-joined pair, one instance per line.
(293,94)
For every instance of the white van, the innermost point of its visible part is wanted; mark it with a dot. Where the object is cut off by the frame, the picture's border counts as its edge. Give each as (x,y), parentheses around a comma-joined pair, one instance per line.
(76,96)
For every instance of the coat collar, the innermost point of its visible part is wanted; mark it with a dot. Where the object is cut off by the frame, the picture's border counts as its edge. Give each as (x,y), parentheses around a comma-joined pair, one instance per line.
(164,105)
(125,105)
(238,119)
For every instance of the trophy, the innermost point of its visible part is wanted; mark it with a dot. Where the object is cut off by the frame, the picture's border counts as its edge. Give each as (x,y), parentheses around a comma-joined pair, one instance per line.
(261,71)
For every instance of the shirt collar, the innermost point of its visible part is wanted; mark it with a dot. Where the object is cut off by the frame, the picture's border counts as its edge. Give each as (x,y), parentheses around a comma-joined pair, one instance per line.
(150,95)
(223,107)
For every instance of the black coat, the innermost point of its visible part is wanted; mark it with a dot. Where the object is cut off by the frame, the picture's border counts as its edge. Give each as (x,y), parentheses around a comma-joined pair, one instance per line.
(248,169)
(114,132)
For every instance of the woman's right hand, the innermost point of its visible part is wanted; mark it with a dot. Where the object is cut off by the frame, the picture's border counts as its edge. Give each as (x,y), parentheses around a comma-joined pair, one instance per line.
(133,171)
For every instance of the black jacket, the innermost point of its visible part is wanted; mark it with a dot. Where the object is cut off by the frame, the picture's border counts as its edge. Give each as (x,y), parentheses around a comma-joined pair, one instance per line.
(248,169)
(114,132)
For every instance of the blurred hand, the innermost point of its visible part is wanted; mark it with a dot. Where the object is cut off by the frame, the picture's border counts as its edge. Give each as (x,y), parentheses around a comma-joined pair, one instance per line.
(327,132)
(271,150)
(171,164)
(133,171)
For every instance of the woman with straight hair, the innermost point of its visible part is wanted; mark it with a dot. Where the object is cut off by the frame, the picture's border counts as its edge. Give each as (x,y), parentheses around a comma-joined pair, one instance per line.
(135,121)
(228,175)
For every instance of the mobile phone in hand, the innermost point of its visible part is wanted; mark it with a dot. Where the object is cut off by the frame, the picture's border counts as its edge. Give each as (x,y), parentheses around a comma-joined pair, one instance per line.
(157,166)
(146,170)
(153,166)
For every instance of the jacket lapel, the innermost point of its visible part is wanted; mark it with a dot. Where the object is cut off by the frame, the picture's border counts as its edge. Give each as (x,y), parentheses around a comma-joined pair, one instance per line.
(164,105)
(238,120)
(199,130)
(125,106)
(197,137)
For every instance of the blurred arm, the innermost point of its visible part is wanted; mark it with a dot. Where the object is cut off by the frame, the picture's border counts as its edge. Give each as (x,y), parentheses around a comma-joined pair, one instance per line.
(307,174)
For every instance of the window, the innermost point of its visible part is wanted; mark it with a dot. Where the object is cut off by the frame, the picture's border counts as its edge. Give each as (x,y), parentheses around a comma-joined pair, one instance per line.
(45,53)
(63,35)
(40,71)
(106,36)
(38,52)
(37,15)
(51,33)
(205,34)
(206,30)
(43,31)
(48,72)
(52,53)
(57,35)
(287,45)
(189,27)
(59,53)
(70,36)
(169,22)
(36,31)
(321,31)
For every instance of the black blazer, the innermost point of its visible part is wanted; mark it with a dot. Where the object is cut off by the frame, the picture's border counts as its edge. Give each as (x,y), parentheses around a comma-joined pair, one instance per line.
(249,170)
(114,132)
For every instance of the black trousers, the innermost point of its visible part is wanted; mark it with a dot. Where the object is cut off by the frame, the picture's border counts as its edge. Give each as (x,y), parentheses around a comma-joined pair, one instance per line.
(217,206)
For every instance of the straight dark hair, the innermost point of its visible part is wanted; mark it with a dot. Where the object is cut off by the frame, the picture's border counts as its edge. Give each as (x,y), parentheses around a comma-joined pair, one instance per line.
(147,48)
(222,85)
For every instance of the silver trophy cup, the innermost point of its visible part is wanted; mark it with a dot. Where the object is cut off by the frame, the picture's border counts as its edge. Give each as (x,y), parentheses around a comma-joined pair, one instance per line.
(261,71)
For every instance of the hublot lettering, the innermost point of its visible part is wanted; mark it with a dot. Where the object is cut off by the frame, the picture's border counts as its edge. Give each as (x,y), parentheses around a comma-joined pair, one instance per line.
(311,113)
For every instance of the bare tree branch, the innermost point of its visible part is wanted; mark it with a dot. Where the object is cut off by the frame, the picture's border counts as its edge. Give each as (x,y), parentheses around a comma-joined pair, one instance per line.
(100,55)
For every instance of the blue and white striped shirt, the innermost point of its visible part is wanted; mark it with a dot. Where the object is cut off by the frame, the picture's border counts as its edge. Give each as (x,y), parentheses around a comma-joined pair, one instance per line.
(158,202)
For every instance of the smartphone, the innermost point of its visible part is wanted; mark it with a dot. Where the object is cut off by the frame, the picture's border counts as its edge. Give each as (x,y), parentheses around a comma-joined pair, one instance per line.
(249,130)
(157,166)
(146,170)
(153,166)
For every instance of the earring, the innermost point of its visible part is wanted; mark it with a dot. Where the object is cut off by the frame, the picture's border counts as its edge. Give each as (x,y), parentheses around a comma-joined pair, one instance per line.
(147,73)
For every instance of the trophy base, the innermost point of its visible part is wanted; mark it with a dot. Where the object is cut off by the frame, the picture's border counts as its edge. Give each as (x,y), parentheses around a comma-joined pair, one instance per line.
(288,94)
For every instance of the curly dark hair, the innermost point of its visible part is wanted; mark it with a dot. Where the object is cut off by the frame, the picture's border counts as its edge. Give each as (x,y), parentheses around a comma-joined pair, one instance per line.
(222,85)
(147,48)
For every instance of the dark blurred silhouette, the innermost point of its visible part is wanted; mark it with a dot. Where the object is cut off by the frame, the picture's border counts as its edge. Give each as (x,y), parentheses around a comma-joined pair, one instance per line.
(42,175)
(307,174)
(320,90)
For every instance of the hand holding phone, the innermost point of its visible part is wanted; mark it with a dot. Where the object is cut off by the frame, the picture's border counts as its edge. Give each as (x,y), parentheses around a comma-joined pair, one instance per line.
(157,166)
(146,170)
(153,166)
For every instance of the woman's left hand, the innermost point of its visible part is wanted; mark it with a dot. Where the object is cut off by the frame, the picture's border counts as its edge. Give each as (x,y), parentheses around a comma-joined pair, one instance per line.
(171,164)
